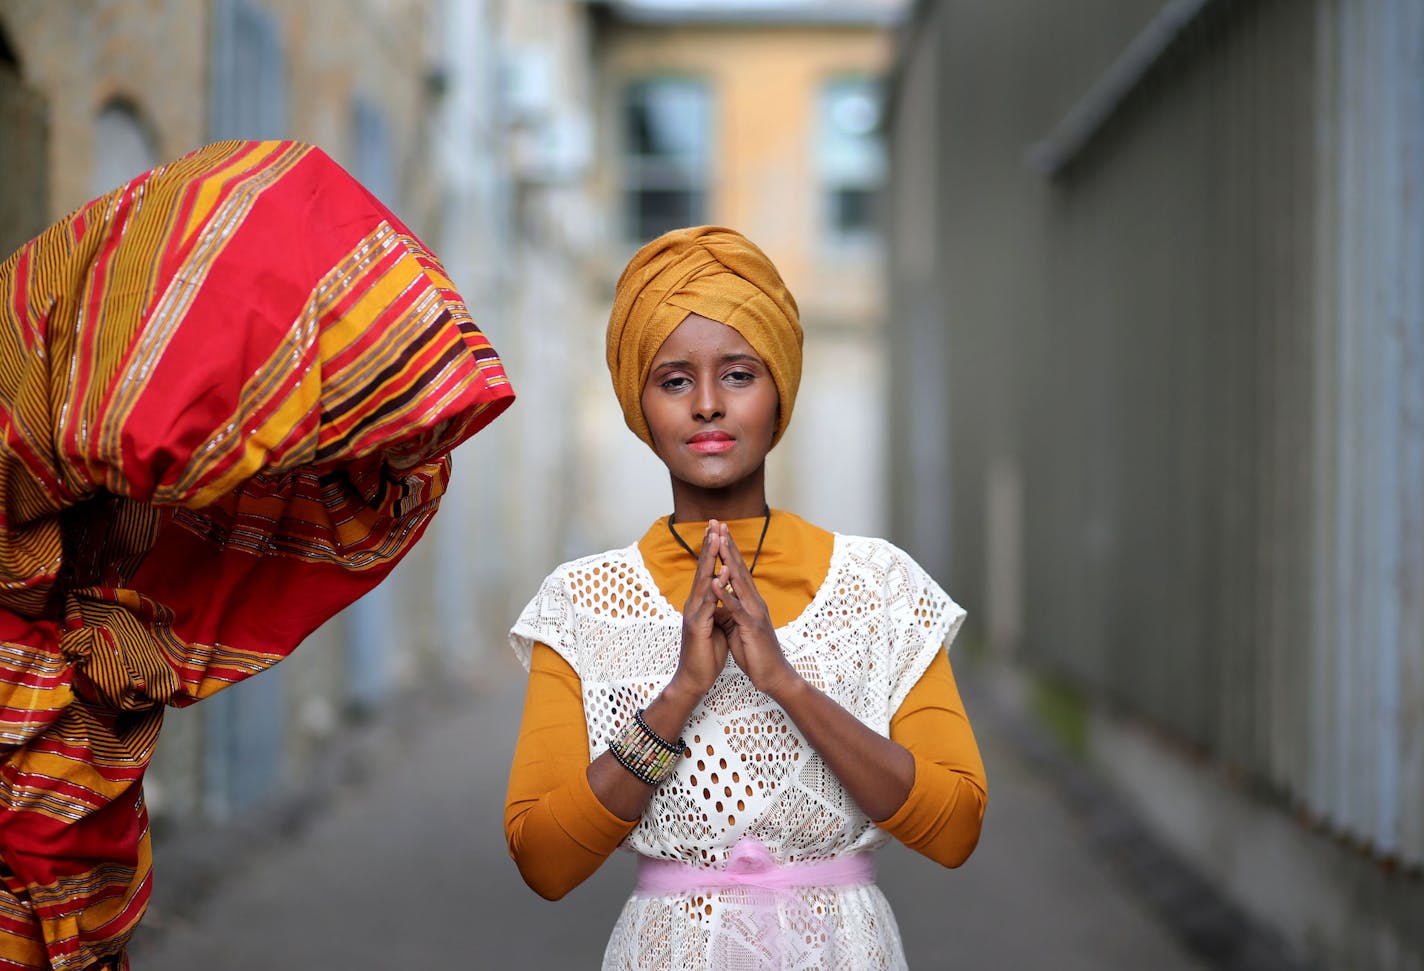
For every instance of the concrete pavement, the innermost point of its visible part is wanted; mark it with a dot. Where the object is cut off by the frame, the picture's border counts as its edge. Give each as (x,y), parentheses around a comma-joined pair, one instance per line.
(407,868)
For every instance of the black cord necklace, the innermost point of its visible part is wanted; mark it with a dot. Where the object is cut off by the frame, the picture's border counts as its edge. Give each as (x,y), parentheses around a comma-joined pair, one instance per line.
(755,556)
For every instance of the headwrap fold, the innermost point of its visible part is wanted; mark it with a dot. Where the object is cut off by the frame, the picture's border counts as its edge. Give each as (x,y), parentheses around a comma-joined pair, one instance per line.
(719,274)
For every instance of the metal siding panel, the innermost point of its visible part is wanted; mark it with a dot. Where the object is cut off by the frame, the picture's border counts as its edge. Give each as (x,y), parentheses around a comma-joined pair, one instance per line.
(242,744)
(1324,605)
(372,636)
(1219,411)
(1376,483)
(1347,633)
(1408,31)
(1384,601)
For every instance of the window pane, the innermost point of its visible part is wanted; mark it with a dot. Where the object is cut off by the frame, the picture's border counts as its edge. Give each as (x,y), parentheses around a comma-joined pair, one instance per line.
(850,148)
(668,118)
(123,148)
(653,212)
(854,210)
(850,156)
(666,155)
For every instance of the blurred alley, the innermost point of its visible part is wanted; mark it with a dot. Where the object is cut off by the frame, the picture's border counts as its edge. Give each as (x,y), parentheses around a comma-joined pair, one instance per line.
(1114,321)
(406,867)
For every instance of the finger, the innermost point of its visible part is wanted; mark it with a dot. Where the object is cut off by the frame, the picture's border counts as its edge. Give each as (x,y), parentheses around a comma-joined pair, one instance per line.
(729,545)
(707,557)
(744,597)
(734,567)
(723,583)
(731,608)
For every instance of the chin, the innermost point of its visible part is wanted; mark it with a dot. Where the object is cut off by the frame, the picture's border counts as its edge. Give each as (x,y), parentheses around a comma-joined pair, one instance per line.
(708,482)
(720,479)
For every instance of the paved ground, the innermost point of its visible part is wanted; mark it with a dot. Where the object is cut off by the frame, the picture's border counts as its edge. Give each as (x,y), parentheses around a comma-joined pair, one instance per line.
(408,869)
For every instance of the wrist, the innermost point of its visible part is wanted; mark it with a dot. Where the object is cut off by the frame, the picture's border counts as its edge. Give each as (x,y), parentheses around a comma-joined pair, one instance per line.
(787,688)
(680,696)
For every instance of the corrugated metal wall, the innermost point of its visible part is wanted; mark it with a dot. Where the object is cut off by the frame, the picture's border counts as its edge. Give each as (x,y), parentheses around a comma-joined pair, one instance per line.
(1368,649)
(1186,373)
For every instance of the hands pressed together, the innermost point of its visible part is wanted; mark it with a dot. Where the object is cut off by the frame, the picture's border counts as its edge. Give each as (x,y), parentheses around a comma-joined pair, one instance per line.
(725,614)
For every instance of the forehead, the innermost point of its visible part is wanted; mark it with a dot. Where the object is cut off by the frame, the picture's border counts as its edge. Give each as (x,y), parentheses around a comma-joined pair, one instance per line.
(698,337)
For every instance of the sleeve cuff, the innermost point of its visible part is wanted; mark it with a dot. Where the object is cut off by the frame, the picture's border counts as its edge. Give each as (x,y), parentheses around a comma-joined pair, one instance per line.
(905,815)
(588,822)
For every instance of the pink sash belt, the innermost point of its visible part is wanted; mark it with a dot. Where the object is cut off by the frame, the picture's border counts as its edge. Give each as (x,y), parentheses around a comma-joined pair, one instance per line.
(750,864)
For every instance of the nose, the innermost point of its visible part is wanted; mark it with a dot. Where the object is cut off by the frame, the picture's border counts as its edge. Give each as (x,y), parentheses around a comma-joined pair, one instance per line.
(707,401)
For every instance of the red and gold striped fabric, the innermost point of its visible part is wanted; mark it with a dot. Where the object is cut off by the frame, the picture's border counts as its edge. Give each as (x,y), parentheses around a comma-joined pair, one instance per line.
(228,393)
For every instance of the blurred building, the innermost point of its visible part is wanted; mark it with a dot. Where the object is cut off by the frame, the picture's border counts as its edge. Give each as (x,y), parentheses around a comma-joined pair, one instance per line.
(764,117)
(534,144)
(1158,332)
(431,104)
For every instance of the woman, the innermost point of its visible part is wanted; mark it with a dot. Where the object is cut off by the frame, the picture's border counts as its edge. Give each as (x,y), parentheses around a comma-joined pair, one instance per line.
(755,747)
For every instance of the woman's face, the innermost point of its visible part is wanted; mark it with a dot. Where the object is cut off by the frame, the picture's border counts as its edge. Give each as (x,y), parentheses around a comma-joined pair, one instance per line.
(711,406)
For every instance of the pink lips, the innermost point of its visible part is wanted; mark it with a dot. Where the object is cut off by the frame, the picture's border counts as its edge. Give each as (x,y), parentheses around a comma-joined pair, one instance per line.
(710,443)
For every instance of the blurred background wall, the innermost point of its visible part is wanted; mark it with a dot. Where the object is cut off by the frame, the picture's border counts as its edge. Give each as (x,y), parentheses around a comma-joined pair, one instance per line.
(534,144)
(1114,318)
(763,117)
(1157,278)
(93,93)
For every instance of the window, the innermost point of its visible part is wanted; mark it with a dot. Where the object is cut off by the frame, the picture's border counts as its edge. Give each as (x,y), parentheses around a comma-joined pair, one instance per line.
(850,157)
(24,154)
(247,95)
(373,162)
(667,138)
(123,148)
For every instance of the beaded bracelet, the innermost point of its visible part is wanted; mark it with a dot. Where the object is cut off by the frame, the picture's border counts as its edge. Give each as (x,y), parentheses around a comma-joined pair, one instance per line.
(645,753)
(643,724)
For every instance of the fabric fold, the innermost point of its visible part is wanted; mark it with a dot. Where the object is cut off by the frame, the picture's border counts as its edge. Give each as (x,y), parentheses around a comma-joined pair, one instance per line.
(228,394)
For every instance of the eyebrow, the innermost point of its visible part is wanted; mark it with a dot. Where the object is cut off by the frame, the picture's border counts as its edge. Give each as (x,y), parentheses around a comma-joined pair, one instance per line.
(724,359)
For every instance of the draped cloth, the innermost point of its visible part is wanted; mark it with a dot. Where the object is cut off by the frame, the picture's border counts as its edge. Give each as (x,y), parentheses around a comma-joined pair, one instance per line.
(228,393)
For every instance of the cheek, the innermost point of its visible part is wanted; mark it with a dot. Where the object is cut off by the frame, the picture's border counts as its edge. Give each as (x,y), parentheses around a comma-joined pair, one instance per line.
(651,418)
(774,410)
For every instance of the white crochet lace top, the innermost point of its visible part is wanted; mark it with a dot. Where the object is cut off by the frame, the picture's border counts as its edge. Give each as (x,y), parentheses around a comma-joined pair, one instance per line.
(865,639)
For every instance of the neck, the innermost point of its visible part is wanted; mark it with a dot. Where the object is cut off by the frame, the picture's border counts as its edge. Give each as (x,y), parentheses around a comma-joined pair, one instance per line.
(691,504)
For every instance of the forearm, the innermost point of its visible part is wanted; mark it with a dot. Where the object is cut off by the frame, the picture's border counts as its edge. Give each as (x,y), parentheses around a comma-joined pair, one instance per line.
(557,829)
(617,789)
(559,839)
(877,772)
(943,814)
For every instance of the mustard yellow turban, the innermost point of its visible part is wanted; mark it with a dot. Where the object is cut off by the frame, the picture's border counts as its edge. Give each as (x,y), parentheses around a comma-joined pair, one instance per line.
(719,274)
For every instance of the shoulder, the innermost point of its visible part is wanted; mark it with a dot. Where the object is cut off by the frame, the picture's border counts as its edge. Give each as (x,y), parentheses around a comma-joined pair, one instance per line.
(579,582)
(573,590)
(876,552)
(885,566)
(593,564)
